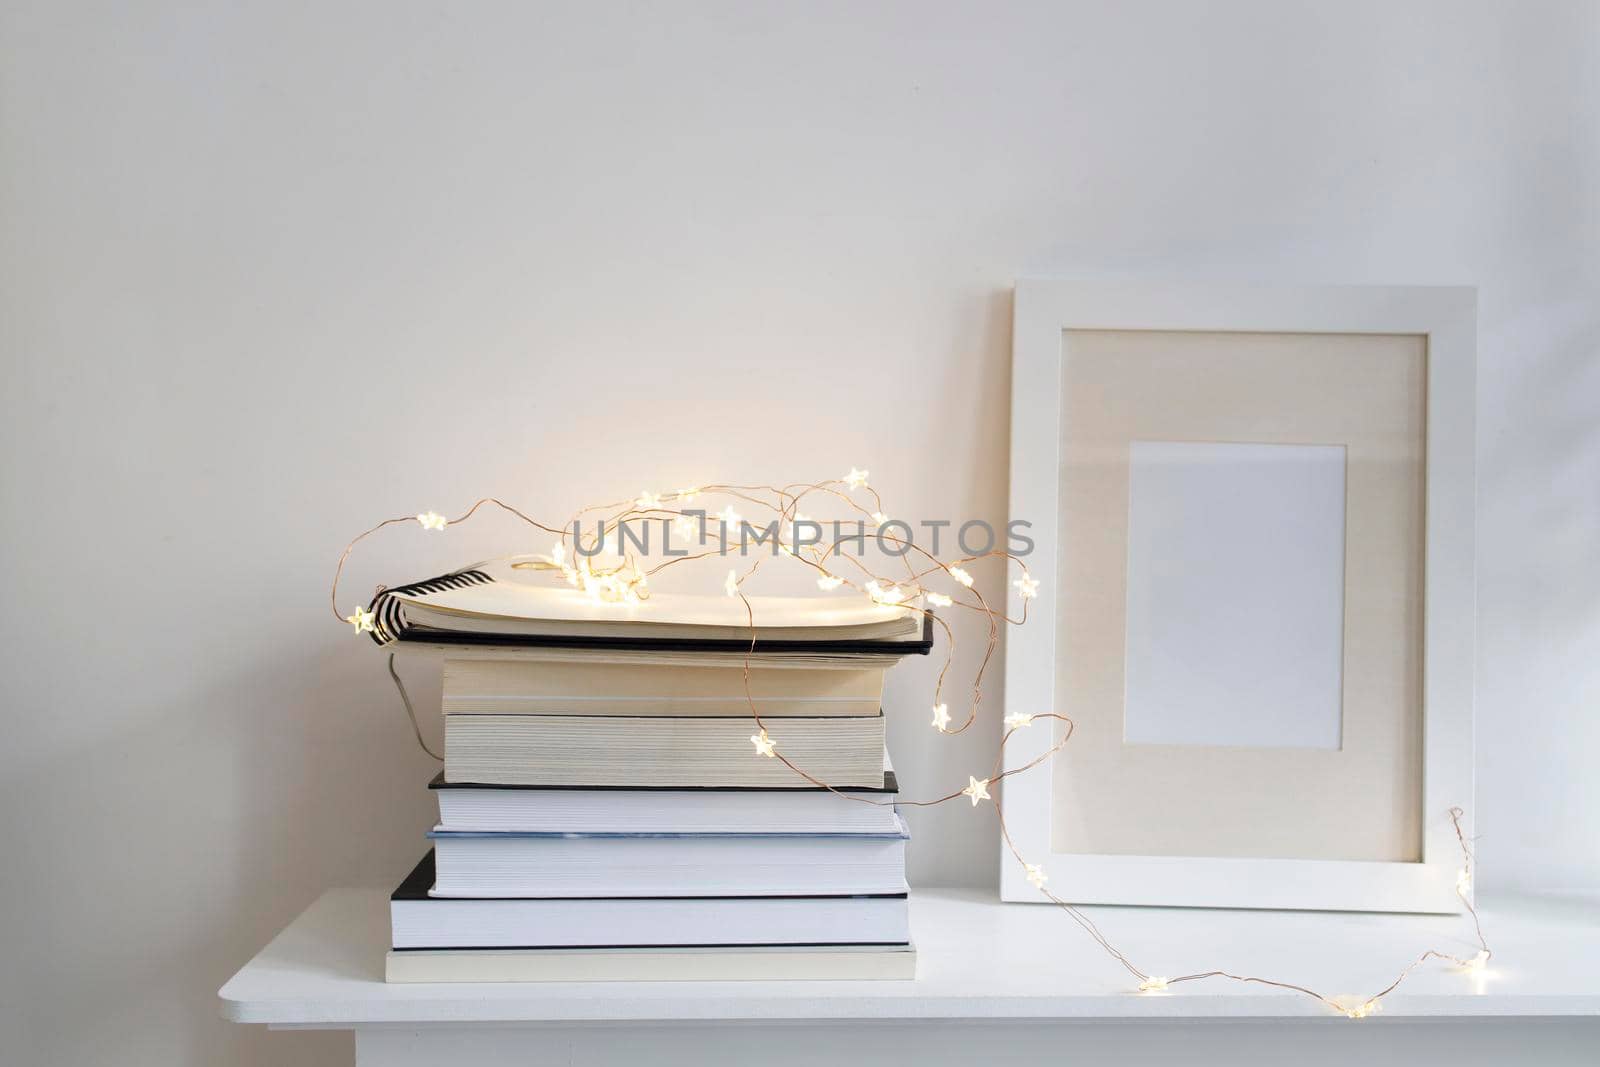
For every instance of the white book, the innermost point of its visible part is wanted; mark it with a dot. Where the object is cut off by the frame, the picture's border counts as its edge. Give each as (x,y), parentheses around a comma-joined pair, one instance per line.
(606,750)
(419,920)
(762,963)
(477,684)
(667,865)
(797,809)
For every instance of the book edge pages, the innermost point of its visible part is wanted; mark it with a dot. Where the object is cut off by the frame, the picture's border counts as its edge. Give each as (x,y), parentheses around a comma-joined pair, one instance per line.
(847,963)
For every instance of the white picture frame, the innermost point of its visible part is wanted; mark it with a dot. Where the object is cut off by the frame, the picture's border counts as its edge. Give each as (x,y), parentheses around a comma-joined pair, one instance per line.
(1044,313)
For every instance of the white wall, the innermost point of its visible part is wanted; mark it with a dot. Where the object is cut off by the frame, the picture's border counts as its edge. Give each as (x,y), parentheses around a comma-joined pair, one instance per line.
(274,270)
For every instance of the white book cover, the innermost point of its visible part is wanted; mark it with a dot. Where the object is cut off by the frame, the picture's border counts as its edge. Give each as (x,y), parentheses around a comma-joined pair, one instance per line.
(636,864)
(419,920)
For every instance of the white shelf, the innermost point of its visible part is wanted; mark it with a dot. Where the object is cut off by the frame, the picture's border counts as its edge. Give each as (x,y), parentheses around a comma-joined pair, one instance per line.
(980,959)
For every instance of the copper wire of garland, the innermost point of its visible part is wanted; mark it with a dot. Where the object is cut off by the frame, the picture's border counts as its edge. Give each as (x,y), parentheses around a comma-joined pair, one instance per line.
(787,509)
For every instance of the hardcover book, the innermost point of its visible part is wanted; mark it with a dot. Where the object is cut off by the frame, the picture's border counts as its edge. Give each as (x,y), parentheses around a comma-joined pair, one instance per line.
(667,864)
(792,808)
(420,920)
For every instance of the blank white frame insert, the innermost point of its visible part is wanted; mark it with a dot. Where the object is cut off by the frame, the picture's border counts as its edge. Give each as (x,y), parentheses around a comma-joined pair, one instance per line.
(1235,595)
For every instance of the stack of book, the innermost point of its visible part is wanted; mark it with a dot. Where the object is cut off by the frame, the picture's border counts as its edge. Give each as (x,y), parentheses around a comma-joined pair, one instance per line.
(606,811)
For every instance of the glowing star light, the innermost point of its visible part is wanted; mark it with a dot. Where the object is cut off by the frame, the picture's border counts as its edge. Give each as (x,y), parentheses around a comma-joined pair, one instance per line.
(763,745)
(939,600)
(1017,721)
(829,581)
(1153,985)
(961,576)
(731,584)
(941,716)
(1027,587)
(879,518)
(729,516)
(1477,963)
(361,621)
(977,790)
(1361,1010)
(889,597)
(856,479)
(1463,881)
(648,500)
(1037,878)
(431,520)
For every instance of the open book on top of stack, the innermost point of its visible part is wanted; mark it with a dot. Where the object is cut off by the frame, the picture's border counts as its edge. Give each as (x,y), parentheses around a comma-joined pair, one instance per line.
(603,812)
(492,604)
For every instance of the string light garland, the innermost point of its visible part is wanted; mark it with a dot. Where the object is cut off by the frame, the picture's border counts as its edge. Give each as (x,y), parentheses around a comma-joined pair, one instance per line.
(625,580)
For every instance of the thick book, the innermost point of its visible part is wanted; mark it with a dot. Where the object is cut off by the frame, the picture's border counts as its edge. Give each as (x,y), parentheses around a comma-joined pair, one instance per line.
(667,865)
(495,604)
(485,685)
(591,750)
(794,808)
(419,920)
(749,963)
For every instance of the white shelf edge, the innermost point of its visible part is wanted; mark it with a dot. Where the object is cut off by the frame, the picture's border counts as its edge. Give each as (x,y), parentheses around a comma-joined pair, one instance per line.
(980,960)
